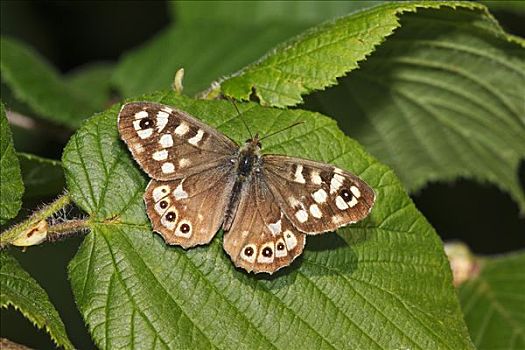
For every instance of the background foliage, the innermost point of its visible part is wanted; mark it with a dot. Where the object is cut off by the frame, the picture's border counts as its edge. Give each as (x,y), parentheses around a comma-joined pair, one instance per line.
(434,92)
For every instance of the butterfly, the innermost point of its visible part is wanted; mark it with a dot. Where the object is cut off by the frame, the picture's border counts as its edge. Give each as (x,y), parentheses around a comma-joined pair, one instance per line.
(266,204)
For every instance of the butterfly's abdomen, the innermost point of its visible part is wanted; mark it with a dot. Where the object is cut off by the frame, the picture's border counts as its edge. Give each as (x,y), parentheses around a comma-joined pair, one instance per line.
(248,162)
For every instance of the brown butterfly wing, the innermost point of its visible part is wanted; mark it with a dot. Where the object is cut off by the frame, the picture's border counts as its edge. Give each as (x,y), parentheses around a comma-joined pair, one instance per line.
(261,238)
(317,197)
(189,211)
(170,144)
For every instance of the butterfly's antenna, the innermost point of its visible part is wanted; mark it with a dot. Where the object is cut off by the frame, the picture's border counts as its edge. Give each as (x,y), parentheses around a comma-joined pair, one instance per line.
(240,116)
(278,131)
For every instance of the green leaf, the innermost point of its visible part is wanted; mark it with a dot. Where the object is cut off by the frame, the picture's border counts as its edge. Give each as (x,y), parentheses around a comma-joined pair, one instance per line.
(10,177)
(494,304)
(247,13)
(41,176)
(19,289)
(314,59)
(36,83)
(216,29)
(440,99)
(204,61)
(382,283)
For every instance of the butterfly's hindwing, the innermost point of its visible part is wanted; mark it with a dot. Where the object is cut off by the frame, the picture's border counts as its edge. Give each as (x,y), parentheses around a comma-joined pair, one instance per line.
(189,211)
(261,238)
(317,197)
(168,143)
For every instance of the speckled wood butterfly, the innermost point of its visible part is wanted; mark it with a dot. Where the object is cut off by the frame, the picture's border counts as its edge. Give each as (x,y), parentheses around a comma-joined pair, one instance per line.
(202,180)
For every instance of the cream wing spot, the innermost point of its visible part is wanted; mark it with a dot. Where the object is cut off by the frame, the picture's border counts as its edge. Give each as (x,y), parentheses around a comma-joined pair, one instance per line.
(167,110)
(280,248)
(290,239)
(136,125)
(319,196)
(340,203)
(162,120)
(355,191)
(316,178)
(314,210)
(182,129)
(179,192)
(197,138)
(160,192)
(298,176)
(266,254)
(336,182)
(275,228)
(144,134)
(160,155)
(166,141)
(168,168)
(249,253)
(293,201)
(301,215)
(353,202)
(141,114)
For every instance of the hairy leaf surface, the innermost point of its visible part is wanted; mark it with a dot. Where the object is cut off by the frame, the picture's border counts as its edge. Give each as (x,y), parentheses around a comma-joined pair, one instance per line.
(10,177)
(442,98)
(383,283)
(20,290)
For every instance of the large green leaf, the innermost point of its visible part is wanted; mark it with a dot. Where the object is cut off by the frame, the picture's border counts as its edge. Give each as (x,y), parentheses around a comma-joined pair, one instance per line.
(441,98)
(191,47)
(494,304)
(205,40)
(19,289)
(10,177)
(37,84)
(247,13)
(314,59)
(383,283)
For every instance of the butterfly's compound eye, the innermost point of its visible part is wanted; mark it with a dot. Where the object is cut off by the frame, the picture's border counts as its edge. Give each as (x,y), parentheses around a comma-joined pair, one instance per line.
(346,195)
(146,123)
(259,145)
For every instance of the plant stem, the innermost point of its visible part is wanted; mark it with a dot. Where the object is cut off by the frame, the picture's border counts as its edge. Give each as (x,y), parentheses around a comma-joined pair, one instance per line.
(10,235)
(66,228)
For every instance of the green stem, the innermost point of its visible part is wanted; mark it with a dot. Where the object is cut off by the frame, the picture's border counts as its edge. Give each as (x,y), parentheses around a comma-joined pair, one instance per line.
(10,235)
(66,228)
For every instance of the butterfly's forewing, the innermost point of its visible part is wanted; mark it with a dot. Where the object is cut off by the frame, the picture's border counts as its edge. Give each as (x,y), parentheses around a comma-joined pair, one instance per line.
(317,197)
(169,143)
(189,211)
(261,238)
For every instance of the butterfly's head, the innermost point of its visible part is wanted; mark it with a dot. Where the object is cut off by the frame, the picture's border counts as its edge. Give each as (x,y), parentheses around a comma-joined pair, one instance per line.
(254,143)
